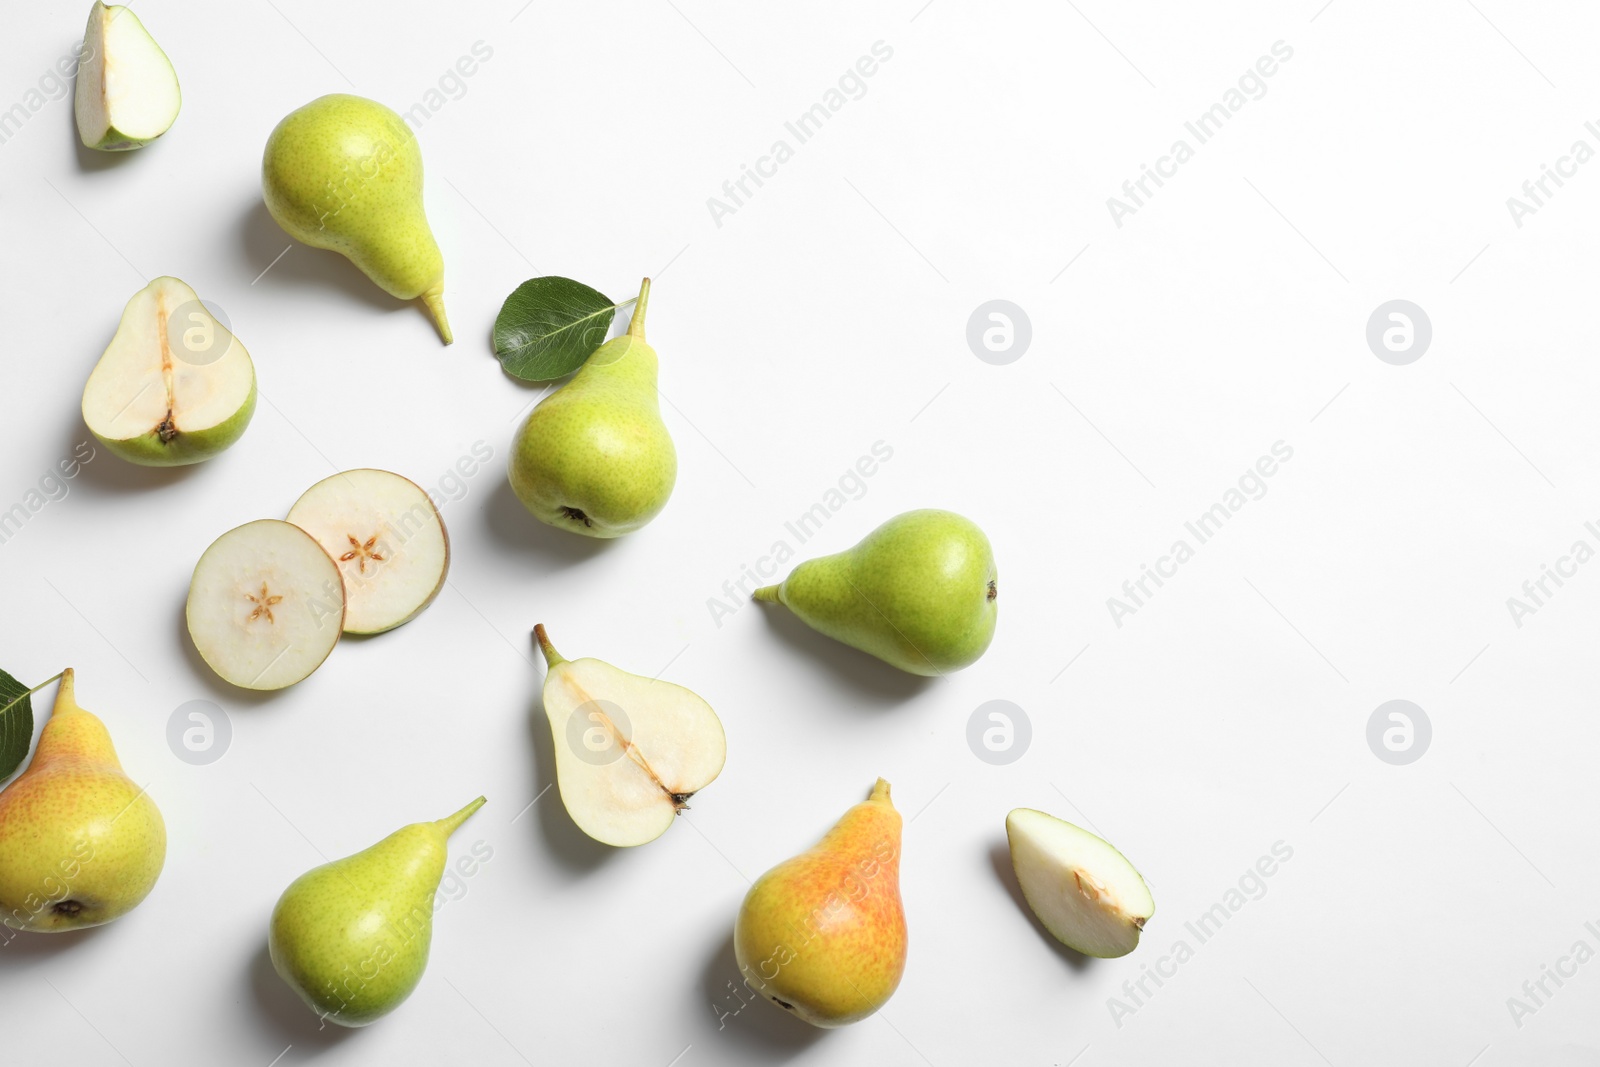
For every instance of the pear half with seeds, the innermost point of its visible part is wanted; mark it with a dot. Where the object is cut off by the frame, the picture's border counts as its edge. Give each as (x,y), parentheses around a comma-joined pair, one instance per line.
(174,386)
(1085,892)
(630,751)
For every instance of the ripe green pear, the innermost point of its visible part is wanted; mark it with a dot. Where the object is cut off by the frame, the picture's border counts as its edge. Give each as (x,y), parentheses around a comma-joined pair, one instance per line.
(352,936)
(345,173)
(823,935)
(918,592)
(594,457)
(80,843)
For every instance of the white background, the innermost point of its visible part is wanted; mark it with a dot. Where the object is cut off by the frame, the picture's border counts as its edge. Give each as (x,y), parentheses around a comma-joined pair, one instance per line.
(828,313)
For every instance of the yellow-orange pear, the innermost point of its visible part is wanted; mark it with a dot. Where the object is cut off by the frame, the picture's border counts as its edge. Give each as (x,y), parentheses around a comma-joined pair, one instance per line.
(823,935)
(80,843)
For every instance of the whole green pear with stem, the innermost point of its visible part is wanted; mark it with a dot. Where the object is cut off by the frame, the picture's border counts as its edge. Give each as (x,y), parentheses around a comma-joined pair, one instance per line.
(80,842)
(352,936)
(594,457)
(345,173)
(919,592)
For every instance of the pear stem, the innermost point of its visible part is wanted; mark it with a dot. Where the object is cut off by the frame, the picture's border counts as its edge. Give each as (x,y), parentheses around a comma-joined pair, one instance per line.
(551,656)
(433,299)
(771,594)
(880,792)
(65,678)
(449,825)
(636,324)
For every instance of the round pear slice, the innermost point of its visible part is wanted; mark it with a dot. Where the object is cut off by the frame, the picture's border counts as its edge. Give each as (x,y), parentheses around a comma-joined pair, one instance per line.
(174,386)
(630,751)
(1084,891)
(388,539)
(266,605)
(127,93)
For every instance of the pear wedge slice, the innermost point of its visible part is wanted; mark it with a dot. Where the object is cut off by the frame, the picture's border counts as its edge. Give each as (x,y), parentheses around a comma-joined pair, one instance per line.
(388,540)
(174,386)
(630,751)
(266,605)
(127,93)
(1084,891)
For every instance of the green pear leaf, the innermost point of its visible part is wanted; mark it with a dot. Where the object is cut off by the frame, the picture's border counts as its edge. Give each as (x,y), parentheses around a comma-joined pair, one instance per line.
(549,326)
(16,724)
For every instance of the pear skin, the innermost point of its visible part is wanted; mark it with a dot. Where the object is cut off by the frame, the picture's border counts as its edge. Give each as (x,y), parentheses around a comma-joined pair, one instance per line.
(345,173)
(80,843)
(594,457)
(823,935)
(352,936)
(919,592)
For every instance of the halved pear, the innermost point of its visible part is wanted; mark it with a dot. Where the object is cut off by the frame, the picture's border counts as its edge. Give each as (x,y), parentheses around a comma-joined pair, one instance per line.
(266,605)
(388,540)
(1084,891)
(630,751)
(174,386)
(127,92)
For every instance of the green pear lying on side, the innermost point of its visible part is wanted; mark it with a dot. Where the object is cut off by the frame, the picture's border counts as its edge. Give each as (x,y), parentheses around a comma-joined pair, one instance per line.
(918,592)
(345,173)
(352,936)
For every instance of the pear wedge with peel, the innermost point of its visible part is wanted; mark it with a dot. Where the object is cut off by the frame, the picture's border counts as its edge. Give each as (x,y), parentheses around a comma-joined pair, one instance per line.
(127,93)
(630,751)
(388,540)
(1085,892)
(174,385)
(266,605)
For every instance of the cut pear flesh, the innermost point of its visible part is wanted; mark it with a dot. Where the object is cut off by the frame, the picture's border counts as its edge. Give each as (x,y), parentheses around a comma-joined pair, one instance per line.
(630,751)
(1084,891)
(127,93)
(266,605)
(170,391)
(388,540)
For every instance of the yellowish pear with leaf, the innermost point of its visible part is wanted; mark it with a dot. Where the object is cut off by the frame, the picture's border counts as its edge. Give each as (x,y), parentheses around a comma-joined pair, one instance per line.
(80,842)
